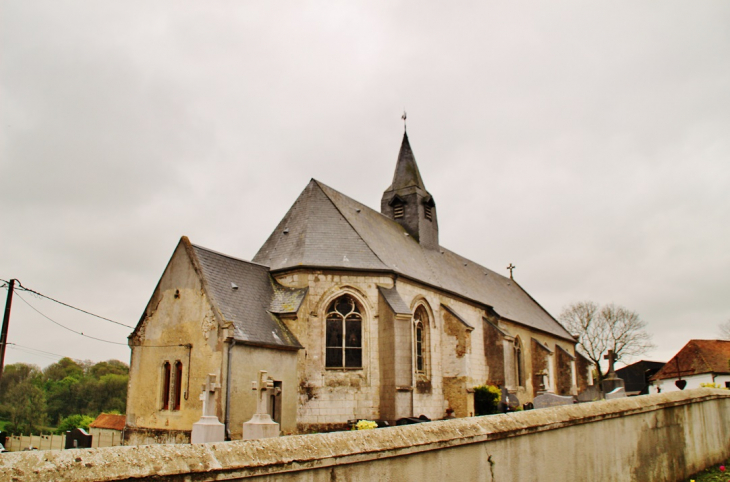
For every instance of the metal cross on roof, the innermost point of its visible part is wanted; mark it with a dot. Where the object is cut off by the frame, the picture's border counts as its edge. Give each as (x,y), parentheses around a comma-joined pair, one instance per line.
(510,268)
(404,117)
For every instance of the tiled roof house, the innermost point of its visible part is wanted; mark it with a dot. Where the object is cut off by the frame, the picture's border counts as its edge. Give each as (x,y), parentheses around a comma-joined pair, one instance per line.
(698,362)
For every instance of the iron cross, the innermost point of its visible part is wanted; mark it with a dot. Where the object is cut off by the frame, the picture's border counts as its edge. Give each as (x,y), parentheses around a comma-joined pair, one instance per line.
(404,117)
(510,268)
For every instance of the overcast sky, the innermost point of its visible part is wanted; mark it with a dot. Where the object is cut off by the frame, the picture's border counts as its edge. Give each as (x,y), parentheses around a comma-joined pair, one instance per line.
(588,143)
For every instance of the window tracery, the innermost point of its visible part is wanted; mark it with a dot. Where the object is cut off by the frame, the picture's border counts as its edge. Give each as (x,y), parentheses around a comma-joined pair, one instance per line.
(343,334)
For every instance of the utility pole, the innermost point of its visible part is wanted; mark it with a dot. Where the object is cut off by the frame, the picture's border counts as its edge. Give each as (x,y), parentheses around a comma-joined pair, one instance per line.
(6,322)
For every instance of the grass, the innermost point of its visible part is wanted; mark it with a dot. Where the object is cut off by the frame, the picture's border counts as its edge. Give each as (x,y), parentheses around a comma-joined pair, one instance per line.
(713,474)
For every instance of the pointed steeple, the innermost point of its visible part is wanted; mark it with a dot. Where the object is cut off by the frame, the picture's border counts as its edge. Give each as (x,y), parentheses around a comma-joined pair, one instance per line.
(408,203)
(406,170)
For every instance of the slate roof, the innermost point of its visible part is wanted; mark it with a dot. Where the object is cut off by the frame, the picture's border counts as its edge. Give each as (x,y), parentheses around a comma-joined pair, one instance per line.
(254,305)
(406,170)
(109,421)
(698,357)
(326,229)
(394,300)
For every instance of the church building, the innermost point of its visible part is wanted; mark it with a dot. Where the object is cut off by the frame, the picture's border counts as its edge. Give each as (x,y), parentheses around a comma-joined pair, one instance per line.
(354,313)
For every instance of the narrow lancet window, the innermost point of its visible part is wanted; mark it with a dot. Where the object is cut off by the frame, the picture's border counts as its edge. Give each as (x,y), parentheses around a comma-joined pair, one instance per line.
(178,385)
(166,373)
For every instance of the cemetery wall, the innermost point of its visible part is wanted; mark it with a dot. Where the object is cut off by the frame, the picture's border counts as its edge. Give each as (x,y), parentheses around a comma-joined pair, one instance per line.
(663,437)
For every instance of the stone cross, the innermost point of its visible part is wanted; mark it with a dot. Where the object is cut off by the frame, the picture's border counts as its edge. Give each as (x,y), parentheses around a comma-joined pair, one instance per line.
(208,395)
(265,386)
(510,268)
(611,357)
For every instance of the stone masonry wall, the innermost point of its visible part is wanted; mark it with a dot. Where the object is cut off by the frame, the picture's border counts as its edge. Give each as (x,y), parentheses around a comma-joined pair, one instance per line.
(664,437)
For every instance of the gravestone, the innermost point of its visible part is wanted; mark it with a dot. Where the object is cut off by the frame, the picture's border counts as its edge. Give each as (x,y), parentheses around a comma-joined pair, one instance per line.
(508,401)
(590,394)
(546,400)
(261,425)
(78,439)
(612,381)
(619,392)
(208,428)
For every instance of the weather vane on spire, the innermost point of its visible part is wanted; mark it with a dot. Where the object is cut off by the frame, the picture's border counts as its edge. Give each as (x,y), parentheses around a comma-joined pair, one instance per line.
(404,117)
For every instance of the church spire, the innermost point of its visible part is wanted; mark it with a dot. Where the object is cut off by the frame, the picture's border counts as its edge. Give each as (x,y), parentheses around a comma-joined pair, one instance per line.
(406,170)
(408,203)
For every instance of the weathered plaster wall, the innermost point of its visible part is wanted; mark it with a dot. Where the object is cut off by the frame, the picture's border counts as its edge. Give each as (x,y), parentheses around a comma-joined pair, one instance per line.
(329,398)
(494,348)
(246,362)
(458,357)
(656,438)
(564,372)
(179,313)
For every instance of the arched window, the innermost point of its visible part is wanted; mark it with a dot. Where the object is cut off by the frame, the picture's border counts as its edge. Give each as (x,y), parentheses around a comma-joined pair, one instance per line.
(178,385)
(420,340)
(166,375)
(419,347)
(344,334)
(519,363)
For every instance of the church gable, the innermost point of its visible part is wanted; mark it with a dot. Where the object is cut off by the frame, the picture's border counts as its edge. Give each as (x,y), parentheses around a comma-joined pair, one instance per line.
(181,277)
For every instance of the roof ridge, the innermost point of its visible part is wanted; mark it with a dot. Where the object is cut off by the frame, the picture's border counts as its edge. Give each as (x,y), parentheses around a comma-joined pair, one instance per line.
(334,204)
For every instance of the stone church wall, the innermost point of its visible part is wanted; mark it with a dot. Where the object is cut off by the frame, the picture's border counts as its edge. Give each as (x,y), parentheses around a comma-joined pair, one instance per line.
(281,365)
(178,297)
(653,438)
(329,398)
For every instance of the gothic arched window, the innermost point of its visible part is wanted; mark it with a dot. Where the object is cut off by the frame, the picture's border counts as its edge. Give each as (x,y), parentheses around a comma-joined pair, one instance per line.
(344,334)
(420,340)
(519,364)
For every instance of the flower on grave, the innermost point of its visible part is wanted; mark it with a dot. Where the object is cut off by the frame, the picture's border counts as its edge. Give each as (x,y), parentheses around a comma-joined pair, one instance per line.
(722,468)
(365,425)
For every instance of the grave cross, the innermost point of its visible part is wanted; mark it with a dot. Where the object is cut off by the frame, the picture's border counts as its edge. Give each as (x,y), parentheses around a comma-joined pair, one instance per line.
(208,395)
(611,357)
(510,268)
(263,385)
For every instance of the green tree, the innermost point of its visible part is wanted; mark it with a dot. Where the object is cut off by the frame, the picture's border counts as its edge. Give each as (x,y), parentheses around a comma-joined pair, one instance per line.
(23,399)
(74,421)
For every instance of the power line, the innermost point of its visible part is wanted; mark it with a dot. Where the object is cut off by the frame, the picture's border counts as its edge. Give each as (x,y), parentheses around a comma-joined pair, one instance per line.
(67,328)
(65,304)
(26,349)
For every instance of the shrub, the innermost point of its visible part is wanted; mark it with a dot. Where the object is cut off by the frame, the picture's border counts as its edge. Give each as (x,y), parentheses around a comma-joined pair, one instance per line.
(365,425)
(486,399)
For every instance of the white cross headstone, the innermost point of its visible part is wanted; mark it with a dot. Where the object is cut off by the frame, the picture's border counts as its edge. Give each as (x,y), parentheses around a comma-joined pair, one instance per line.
(208,428)
(261,425)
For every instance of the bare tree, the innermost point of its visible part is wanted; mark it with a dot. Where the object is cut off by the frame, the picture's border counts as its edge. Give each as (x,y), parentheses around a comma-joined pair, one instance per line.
(725,330)
(602,328)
